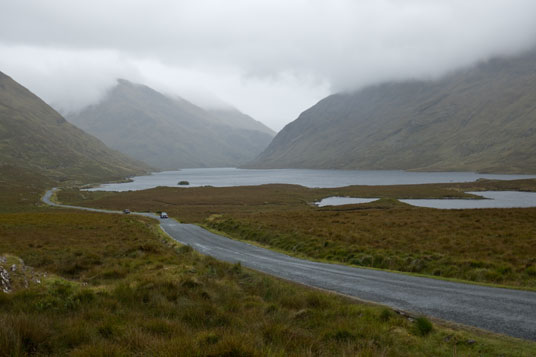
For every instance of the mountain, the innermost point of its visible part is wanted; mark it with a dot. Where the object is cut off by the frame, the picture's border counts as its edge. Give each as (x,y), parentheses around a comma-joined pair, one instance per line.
(171,133)
(478,119)
(35,138)
(233,117)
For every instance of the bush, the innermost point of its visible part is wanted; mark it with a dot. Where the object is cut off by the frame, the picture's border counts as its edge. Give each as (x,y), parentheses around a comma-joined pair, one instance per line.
(531,271)
(423,326)
(385,315)
(366,261)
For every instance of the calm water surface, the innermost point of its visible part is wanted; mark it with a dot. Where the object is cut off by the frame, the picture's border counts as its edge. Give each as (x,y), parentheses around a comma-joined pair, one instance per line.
(338,201)
(492,199)
(224,177)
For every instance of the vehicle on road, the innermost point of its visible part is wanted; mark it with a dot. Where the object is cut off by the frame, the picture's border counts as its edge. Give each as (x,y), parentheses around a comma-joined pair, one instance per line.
(126,211)
(163,215)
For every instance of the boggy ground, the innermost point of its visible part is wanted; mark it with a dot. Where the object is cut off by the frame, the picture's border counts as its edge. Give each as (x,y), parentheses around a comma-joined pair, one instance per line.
(482,245)
(115,285)
(87,284)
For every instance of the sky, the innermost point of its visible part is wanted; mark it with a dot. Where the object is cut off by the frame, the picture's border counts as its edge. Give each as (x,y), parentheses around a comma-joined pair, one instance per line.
(271,59)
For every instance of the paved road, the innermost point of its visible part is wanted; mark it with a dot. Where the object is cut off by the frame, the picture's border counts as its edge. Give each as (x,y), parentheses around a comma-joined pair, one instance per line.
(512,312)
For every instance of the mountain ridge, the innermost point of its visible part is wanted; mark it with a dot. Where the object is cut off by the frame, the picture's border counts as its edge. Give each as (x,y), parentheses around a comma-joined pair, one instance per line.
(165,132)
(34,137)
(477,119)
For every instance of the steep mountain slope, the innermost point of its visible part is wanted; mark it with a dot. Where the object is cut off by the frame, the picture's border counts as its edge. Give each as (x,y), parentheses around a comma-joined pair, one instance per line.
(237,119)
(168,133)
(480,119)
(34,137)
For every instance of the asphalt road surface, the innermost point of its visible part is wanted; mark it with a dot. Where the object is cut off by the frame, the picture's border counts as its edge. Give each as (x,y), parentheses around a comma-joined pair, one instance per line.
(507,311)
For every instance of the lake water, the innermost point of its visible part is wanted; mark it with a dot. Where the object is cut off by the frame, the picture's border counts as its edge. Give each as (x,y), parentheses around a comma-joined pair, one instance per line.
(339,201)
(493,199)
(224,177)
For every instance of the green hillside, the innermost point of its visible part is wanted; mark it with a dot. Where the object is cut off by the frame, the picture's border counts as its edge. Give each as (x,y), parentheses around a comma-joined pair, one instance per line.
(170,133)
(478,119)
(35,138)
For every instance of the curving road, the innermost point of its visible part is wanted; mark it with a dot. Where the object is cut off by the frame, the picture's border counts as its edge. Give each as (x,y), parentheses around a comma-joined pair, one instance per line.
(511,312)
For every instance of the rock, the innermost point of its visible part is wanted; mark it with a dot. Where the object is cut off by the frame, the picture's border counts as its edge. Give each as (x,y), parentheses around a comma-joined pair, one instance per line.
(14,267)
(5,281)
(405,315)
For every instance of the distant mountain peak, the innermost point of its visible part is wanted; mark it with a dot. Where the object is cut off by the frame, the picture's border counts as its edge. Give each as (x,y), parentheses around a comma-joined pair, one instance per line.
(37,138)
(170,132)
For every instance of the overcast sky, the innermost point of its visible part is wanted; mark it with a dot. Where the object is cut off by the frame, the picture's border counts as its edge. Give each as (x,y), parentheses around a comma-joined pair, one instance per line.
(271,59)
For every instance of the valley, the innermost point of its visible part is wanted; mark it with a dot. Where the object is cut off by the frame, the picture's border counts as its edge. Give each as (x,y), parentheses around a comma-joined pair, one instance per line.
(481,245)
(148,208)
(115,284)
(446,300)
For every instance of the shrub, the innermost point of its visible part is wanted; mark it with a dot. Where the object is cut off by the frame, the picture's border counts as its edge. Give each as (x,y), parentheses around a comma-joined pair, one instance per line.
(385,315)
(378,261)
(531,271)
(367,260)
(423,326)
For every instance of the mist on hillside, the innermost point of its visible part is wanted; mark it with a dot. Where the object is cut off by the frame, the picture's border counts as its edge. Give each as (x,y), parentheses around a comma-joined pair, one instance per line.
(270,59)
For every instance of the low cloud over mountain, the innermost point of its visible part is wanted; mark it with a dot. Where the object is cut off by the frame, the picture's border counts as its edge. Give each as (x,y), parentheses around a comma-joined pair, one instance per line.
(269,58)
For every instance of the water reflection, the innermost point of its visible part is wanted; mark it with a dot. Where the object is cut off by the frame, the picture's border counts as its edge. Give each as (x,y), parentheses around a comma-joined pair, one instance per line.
(224,177)
(491,199)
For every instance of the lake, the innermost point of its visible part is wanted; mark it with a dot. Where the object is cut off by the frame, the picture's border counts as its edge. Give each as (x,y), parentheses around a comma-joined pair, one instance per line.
(492,199)
(225,177)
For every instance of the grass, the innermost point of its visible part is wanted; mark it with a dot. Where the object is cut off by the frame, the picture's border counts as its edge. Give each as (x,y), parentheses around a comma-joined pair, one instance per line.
(423,326)
(495,246)
(116,285)
(20,189)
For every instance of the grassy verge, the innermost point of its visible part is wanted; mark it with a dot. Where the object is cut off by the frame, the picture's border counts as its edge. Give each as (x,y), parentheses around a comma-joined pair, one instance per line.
(322,260)
(495,246)
(117,285)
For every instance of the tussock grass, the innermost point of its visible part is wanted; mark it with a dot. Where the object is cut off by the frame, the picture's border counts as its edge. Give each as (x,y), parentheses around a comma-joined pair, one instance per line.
(491,245)
(123,288)
(495,246)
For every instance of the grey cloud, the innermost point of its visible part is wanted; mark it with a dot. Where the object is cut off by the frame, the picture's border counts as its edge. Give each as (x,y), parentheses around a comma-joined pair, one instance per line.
(244,49)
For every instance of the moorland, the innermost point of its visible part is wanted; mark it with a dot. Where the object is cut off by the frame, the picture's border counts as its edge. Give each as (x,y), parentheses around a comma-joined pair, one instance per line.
(107,284)
(495,246)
